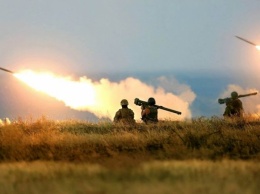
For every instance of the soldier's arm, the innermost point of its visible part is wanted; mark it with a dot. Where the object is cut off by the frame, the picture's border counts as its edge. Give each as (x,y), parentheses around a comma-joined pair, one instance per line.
(117,116)
(145,112)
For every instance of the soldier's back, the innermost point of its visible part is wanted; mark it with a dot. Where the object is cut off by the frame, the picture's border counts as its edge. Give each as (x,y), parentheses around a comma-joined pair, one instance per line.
(126,115)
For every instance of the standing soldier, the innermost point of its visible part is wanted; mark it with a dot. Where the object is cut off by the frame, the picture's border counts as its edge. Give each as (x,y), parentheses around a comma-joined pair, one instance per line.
(234,106)
(150,112)
(124,115)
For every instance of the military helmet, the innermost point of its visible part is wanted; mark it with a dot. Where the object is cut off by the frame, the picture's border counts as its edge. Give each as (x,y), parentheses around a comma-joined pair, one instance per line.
(234,94)
(124,102)
(151,101)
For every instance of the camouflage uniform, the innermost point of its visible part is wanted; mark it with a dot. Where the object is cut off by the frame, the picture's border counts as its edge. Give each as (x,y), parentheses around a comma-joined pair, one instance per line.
(124,115)
(234,106)
(150,113)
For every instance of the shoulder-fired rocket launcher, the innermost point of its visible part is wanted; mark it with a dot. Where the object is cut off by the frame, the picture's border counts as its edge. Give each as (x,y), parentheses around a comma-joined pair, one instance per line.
(144,103)
(226,100)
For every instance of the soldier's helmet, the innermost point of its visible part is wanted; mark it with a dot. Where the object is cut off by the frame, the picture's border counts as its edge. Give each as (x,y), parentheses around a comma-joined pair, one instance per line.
(151,101)
(234,94)
(124,102)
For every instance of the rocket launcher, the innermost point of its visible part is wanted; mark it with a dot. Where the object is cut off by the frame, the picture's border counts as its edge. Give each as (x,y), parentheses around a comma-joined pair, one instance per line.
(139,102)
(226,100)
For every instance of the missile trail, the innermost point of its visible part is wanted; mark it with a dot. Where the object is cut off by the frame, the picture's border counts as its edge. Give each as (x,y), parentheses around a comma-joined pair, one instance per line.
(247,41)
(6,70)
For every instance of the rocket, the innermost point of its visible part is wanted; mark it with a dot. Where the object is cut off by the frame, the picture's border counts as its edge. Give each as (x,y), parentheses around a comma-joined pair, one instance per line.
(247,41)
(6,70)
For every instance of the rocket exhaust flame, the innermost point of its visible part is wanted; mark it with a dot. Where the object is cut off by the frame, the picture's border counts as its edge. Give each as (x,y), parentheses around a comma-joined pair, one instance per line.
(103,97)
(74,94)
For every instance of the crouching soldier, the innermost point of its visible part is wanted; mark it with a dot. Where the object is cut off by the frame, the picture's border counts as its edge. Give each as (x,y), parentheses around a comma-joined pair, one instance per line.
(150,112)
(234,107)
(124,115)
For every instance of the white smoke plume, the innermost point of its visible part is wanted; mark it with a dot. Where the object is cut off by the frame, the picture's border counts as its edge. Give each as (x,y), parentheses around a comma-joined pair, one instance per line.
(132,88)
(103,97)
(251,104)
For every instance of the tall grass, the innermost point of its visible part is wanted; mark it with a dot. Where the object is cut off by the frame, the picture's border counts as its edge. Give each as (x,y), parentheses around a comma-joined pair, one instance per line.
(203,155)
(190,176)
(79,141)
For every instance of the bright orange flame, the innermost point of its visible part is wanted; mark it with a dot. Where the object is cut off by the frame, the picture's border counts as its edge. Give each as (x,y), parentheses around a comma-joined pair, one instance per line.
(77,95)
(257,47)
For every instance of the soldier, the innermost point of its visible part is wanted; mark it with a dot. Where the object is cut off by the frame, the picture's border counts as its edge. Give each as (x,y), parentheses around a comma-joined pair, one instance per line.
(124,115)
(234,106)
(149,113)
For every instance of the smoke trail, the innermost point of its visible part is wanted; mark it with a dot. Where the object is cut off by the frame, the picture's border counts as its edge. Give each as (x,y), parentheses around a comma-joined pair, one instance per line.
(103,97)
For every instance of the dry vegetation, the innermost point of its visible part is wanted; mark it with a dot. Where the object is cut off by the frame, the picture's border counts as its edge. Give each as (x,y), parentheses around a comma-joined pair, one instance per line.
(213,139)
(143,158)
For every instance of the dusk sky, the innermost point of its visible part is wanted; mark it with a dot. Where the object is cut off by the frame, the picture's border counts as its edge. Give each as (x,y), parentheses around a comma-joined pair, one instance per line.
(182,51)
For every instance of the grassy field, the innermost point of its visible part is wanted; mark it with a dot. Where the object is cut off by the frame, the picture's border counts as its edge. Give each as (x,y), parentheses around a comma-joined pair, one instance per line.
(196,156)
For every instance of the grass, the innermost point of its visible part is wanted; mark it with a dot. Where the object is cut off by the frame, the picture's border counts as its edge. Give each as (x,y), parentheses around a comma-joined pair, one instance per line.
(203,155)
(191,176)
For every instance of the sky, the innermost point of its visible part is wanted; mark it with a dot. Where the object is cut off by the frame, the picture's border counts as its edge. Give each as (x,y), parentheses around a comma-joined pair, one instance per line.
(182,52)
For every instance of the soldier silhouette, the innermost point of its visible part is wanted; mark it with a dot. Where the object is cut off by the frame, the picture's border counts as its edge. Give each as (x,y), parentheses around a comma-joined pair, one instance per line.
(124,115)
(234,106)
